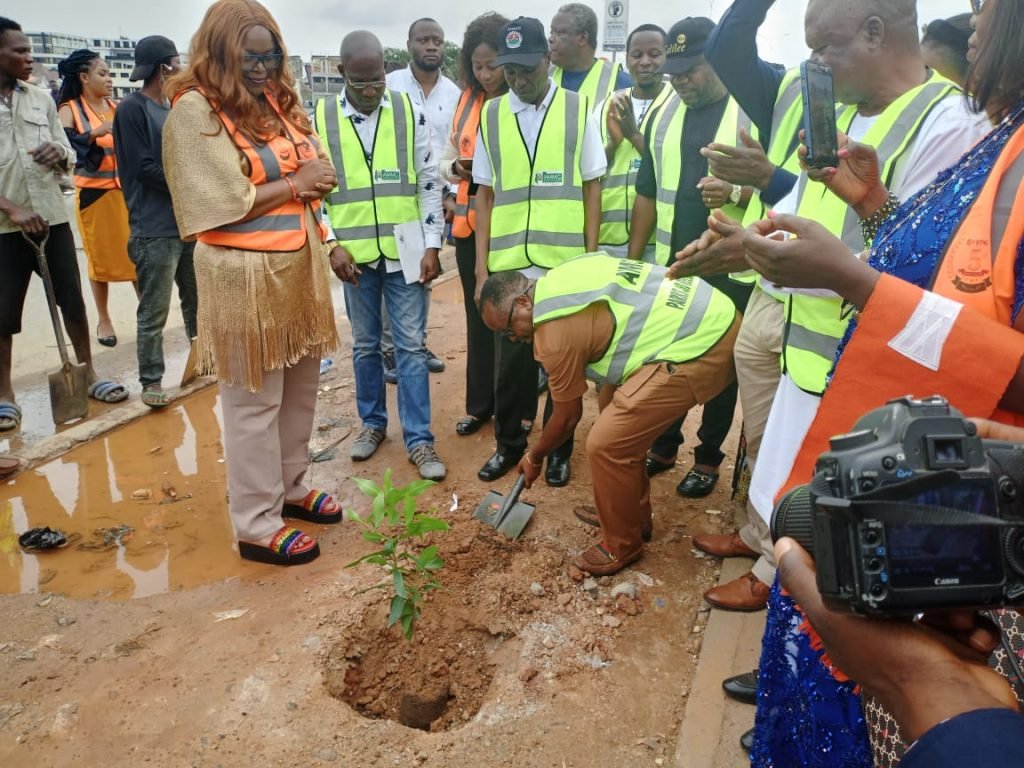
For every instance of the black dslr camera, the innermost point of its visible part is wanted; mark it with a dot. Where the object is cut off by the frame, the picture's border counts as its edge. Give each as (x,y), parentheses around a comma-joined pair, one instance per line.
(912,511)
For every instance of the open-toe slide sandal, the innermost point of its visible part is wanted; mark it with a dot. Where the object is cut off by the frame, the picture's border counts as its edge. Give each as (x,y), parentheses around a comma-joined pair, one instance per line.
(284,549)
(317,507)
(107,391)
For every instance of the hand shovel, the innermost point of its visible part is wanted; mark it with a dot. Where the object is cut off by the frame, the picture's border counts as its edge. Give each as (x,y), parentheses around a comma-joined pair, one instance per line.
(69,387)
(506,514)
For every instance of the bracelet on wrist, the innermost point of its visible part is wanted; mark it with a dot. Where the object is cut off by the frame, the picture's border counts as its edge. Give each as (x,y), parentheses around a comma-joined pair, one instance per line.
(869,227)
(531,462)
(291,186)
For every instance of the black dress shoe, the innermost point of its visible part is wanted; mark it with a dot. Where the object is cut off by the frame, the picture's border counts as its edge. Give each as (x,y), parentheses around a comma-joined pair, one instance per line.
(656,466)
(747,740)
(469,425)
(497,466)
(742,687)
(697,484)
(558,472)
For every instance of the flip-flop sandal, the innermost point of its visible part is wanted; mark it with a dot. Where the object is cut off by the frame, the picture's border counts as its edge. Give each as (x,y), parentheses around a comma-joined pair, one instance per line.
(10,416)
(39,539)
(587,514)
(598,561)
(107,391)
(284,549)
(155,398)
(317,507)
(8,465)
(106,341)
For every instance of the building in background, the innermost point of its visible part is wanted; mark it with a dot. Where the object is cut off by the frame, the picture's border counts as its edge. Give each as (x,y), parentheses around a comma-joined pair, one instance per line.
(48,48)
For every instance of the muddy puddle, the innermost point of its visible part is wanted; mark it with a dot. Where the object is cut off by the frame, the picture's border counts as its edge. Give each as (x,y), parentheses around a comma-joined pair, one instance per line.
(144,509)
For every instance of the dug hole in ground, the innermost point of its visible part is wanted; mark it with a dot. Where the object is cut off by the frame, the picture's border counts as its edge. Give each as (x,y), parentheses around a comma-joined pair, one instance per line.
(147,641)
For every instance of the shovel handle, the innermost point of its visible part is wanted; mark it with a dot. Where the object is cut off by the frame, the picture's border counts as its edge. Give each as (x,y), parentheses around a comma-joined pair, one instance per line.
(510,500)
(51,296)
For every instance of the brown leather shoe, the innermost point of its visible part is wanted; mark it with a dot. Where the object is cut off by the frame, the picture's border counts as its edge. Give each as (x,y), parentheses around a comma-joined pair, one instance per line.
(723,545)
(747,593)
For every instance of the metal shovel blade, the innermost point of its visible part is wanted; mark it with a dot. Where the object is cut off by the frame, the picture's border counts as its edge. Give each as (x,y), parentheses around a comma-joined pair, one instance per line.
(69,393)
(190,373)
(506,514)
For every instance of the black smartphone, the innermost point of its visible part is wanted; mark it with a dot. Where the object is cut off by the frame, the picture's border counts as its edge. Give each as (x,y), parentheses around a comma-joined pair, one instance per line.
(820,134)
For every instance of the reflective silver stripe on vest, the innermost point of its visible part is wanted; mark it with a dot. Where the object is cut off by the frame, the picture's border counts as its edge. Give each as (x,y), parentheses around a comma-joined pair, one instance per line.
(554,239)
(807,340)
(698,308)
(603,83)
(900,135)
(617,216)
(784,103)
(1005,197)
(660,134)
(525,194)
(464,117)
(618,179)
(342,194)
(664,237)
(269,161)
(463,210)
(274,223)
(369,232)
(493,142)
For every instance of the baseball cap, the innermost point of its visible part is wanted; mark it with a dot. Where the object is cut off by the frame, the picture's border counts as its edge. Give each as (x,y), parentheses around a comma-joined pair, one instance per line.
(685,44)
(522,41)
(953,32)
(149,52)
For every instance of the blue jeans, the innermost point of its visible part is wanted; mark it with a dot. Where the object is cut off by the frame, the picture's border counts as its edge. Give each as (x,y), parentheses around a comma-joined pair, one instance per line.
(407,306)
(160,262)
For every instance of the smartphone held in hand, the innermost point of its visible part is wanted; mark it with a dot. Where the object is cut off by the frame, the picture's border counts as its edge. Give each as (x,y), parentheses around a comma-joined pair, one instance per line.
(820,133)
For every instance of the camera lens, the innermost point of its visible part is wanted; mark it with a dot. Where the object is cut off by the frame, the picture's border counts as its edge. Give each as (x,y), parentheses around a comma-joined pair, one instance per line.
(793,518)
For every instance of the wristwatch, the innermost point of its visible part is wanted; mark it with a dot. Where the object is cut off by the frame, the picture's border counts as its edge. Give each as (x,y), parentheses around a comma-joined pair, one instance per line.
(736,194)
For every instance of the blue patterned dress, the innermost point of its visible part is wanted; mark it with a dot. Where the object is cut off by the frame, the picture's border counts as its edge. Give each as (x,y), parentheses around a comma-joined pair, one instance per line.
(805,718)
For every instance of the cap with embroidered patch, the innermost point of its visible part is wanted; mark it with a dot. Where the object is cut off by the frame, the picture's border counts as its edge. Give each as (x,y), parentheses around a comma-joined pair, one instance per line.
(685,44)
(522,41)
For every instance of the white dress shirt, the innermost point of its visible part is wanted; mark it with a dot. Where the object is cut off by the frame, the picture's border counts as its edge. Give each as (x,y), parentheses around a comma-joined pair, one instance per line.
(439,107)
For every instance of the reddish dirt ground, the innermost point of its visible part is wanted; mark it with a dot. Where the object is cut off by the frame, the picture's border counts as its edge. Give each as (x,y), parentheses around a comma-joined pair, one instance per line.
(538,670)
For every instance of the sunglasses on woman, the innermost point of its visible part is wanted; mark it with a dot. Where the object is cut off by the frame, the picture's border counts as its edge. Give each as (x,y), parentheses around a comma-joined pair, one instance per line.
(976,6)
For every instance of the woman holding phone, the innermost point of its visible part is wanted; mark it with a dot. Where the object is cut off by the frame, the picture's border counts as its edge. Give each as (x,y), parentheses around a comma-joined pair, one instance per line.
(483,80)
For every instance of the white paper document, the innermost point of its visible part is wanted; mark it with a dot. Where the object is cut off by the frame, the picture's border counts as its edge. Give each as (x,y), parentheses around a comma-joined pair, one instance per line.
(411,247)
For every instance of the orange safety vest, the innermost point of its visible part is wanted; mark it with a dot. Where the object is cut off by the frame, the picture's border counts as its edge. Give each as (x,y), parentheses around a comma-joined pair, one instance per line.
(282,228)
(467,123)
(105,177)
(978,355)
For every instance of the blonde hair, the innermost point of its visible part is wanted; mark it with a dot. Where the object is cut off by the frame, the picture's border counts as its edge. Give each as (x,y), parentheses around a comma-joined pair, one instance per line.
(215,65)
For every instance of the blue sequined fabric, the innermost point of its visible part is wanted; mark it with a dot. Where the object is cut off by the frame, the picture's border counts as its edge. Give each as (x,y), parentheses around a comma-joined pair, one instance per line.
(805,718)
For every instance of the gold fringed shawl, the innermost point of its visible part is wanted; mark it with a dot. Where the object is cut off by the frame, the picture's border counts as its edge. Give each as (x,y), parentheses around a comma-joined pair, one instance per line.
(258,311)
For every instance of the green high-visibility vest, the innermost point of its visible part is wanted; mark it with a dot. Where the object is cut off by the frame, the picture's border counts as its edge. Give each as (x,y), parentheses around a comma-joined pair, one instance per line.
(537,218)
(666,143)
(656,320)
(618,187)
(599,83)
(371,197)
(815,325)
(787,119)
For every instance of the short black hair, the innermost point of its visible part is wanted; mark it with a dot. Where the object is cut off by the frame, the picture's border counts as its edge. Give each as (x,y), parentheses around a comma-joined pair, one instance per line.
(9,25)
(644,28)
(502,288)
(412,27)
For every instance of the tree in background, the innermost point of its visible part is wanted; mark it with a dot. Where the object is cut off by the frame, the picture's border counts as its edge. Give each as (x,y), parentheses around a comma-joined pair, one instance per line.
(398,58)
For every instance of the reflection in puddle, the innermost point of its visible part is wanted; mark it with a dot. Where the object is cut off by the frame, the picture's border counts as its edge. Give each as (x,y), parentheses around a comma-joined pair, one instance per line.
(182,534)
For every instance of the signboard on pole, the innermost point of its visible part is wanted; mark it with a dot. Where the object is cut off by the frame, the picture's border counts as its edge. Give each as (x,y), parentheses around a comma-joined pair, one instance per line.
(616,25)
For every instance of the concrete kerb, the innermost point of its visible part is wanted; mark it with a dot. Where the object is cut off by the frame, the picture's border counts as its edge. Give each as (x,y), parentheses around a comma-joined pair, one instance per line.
(712,723)
(125,413)
(91,429)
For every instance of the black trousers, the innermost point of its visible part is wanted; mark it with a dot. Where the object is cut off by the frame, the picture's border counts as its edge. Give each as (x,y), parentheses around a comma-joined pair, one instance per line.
(480,355)
(716,420)
(515,397)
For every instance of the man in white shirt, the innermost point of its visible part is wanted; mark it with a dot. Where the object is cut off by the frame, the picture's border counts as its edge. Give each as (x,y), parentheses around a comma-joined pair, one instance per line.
(365,131)
(538,162)
(436,97)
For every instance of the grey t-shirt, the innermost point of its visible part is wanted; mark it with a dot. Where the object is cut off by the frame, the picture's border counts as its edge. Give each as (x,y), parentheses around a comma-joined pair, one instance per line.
(138,125)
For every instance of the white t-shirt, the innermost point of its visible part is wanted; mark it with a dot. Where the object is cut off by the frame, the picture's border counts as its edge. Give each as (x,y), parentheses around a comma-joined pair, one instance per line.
(946,134)
(593,162)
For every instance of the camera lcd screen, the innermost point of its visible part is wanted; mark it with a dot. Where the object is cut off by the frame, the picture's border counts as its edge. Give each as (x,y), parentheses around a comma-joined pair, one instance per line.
(942,556)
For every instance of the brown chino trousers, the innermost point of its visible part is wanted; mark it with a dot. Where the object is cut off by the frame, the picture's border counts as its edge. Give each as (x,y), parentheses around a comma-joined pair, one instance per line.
(641,409)
(266,443)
